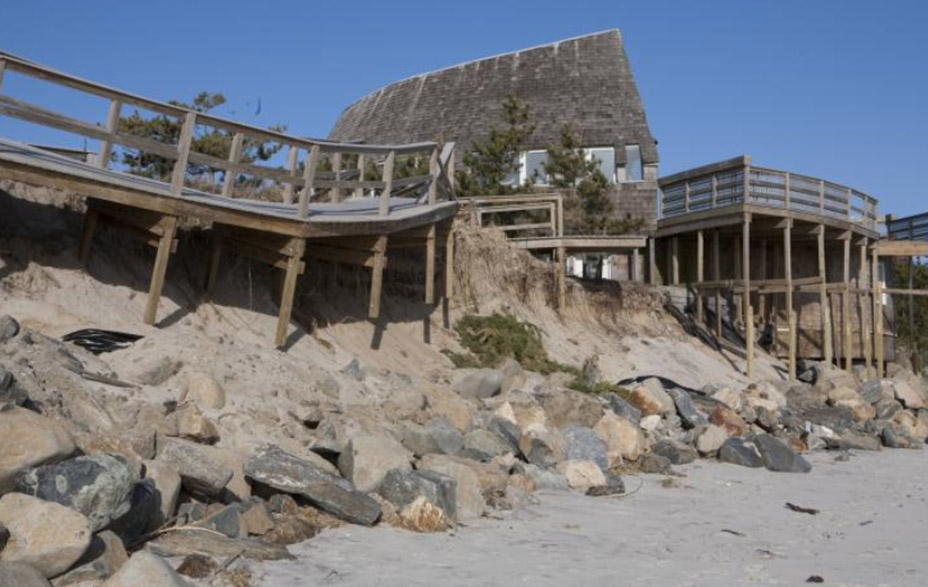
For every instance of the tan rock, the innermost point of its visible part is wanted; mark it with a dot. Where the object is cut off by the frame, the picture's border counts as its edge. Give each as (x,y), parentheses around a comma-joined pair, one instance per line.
(863,411)
(572,407)
(765,390)
(192,424)
(491,477)
(423,516)
(204,390)
(651,401)
(167,484)
(468,494)
(148,570)
(842,393)
(911,398)
(907,421)
(367,460)
(732,398)
(28,440)
(506,412)
(444,403)
(581,474)
(921,426)
(45,535)
(624,439)
(725,417)
(711,440)
(529,414)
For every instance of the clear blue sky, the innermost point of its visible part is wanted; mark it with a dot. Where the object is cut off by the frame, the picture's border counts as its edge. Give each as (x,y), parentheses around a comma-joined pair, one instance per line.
(833,88)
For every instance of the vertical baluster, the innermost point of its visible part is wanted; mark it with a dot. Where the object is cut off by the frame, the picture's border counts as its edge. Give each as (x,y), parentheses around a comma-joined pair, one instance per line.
(235,154)
(434,171)
(292,157)
(309,177)
(336,192)
(183,152)
(112,125)
(388,184)
(359,191)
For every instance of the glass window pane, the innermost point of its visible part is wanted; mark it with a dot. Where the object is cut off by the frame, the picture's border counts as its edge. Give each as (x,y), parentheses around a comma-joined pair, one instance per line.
(605,161)
(633,170)
(534,163)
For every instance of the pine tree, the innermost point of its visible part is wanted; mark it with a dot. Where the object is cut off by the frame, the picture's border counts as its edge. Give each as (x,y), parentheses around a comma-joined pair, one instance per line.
(488,164)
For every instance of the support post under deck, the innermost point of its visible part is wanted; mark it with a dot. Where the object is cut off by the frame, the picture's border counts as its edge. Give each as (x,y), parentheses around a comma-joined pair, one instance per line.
(168,226)
(288,293)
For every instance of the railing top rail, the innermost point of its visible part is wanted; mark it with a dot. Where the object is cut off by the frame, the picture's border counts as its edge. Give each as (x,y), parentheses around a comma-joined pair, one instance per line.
(23,66)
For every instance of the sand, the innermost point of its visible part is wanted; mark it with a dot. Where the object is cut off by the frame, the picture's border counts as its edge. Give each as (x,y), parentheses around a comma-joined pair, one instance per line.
(871,531)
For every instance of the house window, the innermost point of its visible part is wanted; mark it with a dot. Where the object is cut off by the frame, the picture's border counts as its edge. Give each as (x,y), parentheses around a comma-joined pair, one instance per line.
(633,168)
(605,160)
(533,166)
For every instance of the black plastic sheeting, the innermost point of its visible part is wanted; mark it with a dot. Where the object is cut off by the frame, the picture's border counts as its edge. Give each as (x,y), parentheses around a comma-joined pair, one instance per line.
(101,341)
(666,383)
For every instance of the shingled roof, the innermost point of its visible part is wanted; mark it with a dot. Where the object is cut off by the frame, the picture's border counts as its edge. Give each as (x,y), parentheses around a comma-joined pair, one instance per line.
(586,81)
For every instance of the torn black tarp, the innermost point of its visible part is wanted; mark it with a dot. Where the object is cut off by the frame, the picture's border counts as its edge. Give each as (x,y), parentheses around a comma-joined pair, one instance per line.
(101,341)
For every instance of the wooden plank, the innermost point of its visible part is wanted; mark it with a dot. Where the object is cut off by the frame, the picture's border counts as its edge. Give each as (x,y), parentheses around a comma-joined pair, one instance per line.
(169,227)
(889,248)
(2,71)
(746,277)
(449,264)
(846,307)
(339,255)
(309,175)
(336,192)
(652,261)
(388,184)
(906,292)
(90,225)
(235,155)
(824,303)
(716,275)
(877,313)
(430,265)
(112,125)
(215,255)
(790,312)
(292,167)
(359,189)
(866,342)
(561,278)
(700,254)
(183,153)
(288,292)
(434,171)
(675,260)
(380,249)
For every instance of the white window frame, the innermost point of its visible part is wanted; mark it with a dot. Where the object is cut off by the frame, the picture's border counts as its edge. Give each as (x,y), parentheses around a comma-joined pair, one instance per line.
(640,164)
(523,170)
(588,155)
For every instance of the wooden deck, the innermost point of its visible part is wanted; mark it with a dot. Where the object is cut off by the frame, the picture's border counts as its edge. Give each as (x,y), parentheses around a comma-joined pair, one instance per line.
(337,212)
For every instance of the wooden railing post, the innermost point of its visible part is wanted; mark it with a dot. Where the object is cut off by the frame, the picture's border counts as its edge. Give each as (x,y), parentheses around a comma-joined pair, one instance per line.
(309,177)
(686,198)
(2,70)
(821,197)
(560,215)
(388,184)
(336,192)
(786,183)
(359,191)
(715,190)
(235,154)
(292,156)
(435,172)
(183,152)
(112,125)
(746,189)
(849,206)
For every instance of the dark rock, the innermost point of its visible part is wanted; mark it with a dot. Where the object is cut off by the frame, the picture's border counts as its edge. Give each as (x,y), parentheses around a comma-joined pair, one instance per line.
(850,440)
(144,512)
(447,438)
(737,452)
(190,512)
(98,486)
(273,467)
(506,430)
(581,443)
(226,521)
(4,536)
(780,457)
(9,328)
(200,472)
(614,486)
(11,394)
(690,416)
(676,452)
(103,558)
(886,409)
(654,463)
(838,418)
(291,529)
(197,566)
(622,408)
(483,445)
(197,541)
(871,390)
(21,575)
(767,419)
(283,504)
(353,370)
(401,488)
(892,438)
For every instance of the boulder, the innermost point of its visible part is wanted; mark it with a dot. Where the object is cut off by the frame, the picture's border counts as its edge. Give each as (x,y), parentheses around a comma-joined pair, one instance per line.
(614,486)
(468,496)
(167,484)
(654,464)
(11,394)
(204,390)
(893,437)
(444,403)
(45,535)
(144,511)
(651,400)
(921,426)
(477,383)
(542,478)
(103,559)
(690,416)
(728,396)
(227,521)
(861,409)
(491,476)
(513,375)
(780,457)
(21,575)
(886,409)
(623,438)
(582,444)
(367,460)
(650,424)
(423,516)
(418,439)
(29,440)
(9,328)
(581,474)
(567,406)
(850,440)
(285,472)
(767,391)
(711,440)
(676,452)
(622,408)
(910,397)
(529,414)
(738,452)
(98,486)
(542,447)
(871,390)
(185,542)
(156,370)
(145,568)
(448,439)
(837,418)
(506,430)
(402,488)
(199,471)
(193,425)
(842,393)
(483,445)
(725,417)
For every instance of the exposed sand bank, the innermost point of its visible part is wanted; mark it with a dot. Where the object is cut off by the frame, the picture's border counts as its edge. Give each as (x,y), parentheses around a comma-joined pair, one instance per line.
(871,531)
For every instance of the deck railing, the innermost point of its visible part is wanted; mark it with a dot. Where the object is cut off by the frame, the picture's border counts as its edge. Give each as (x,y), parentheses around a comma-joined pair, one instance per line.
(303,155)
(910,228)
(551,204)
(724,185)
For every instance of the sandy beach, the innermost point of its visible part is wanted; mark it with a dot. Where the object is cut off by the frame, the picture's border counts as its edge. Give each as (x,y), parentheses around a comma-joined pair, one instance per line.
(718,525)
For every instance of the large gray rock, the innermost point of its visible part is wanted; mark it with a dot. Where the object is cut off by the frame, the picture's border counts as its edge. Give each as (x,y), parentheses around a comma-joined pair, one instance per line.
(9,328)
(582,443)
(690,416)
(542,478)
(143,515)
(850,440)
(507,430)
(871,390)
(838,418)
(98,486)
(477,383)
(886,409)
(437,436)
(468,493)
(45,535)
(11,394)
(483,445)
(148,570)
(21,575)
(167,484)
(909,396)
(737,452)
(366,460)
(542,447)
(622,408)
(780,457)
(102,560)
(29,440)
(199,471)
(285,472)
(402,488)
(566,406)
(186,542)
(677,452)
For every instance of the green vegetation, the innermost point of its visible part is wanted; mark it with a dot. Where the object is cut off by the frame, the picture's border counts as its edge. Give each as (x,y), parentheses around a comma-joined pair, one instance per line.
(491,339)
(912,329)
